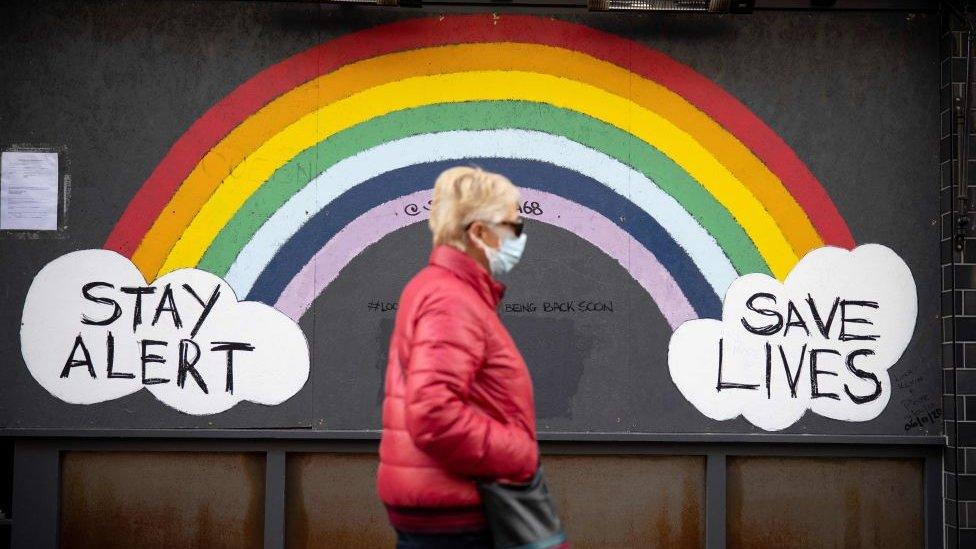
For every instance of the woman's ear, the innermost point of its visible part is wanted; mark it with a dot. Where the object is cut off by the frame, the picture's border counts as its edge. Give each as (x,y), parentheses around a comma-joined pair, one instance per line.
(474,241)
(477,229)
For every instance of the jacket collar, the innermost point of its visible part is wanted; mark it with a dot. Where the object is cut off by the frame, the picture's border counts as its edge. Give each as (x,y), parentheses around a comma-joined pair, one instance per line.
(470,271)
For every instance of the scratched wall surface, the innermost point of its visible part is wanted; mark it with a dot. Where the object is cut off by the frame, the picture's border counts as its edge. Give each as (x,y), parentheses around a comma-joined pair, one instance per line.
(660,158)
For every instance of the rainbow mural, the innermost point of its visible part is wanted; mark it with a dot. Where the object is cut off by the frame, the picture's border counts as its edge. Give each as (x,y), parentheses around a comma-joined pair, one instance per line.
(287,179)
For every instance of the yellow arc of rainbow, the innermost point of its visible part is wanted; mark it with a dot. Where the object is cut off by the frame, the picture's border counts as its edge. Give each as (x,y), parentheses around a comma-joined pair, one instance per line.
(246,157)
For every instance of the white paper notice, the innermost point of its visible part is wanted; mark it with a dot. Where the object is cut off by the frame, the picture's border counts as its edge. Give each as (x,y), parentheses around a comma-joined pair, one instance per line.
(29,191)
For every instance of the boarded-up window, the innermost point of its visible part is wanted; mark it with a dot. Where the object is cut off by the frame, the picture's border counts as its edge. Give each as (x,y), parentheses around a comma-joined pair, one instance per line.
(605,501)
(824,502)
(331,501)
(146,500)
(630,501)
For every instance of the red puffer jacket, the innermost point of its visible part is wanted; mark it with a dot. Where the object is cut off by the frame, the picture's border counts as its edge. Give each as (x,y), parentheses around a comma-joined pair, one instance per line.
(458,402)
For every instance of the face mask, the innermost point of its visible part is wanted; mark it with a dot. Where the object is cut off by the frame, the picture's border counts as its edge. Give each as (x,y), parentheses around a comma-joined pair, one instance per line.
(505,258)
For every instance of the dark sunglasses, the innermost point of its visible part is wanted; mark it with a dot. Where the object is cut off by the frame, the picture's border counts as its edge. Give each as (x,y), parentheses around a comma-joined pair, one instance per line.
(516,226)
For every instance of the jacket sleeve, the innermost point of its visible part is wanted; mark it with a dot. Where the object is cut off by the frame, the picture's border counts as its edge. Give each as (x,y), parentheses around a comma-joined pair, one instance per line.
(447,350)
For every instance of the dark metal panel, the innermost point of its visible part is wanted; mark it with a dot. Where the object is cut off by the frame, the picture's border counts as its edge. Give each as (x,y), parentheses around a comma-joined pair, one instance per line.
(825,502)
(932,489)
(6,489)
(333,445)
(35,495)
(715,501)
(162,499)
(274,499)
(589,436)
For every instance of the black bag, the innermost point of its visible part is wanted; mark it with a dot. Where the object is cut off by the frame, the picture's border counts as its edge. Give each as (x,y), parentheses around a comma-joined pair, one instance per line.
(521,515)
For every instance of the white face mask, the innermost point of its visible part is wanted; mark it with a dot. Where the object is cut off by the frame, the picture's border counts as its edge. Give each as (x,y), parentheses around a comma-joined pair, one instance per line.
(507,255)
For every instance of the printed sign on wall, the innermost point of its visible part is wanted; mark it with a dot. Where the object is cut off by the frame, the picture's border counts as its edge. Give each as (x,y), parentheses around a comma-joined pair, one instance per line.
(94,330)
(821,340)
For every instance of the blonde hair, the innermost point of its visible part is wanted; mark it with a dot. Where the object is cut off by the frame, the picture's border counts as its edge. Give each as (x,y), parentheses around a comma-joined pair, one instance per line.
(466,194)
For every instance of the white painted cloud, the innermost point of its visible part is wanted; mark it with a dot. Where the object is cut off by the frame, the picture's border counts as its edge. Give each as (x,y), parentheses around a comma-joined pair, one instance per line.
(91,332)
(822,340)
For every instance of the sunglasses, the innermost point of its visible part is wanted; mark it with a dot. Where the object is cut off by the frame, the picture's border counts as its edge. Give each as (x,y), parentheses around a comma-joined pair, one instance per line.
(516,226)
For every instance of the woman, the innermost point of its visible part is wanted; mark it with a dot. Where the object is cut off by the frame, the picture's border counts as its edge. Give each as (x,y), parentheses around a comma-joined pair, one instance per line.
(458,404)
